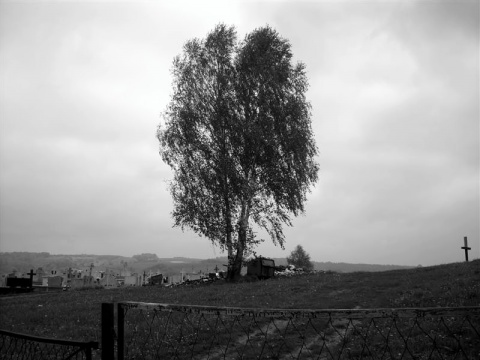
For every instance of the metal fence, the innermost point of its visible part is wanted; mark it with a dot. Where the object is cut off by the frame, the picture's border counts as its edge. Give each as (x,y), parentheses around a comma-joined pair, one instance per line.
(20,346)
(160,331)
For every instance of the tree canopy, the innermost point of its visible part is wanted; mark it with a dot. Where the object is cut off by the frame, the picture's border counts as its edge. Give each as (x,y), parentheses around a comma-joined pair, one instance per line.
(300,258)
(238,137)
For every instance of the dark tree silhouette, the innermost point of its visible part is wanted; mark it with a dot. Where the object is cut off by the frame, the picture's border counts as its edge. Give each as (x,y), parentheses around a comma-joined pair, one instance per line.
(238,137)
(300,258)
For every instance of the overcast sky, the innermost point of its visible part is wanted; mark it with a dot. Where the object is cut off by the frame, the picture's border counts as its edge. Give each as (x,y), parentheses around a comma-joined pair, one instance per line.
(394,89)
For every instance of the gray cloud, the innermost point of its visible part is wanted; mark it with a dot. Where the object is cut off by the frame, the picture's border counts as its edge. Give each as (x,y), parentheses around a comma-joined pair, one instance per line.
(394,90)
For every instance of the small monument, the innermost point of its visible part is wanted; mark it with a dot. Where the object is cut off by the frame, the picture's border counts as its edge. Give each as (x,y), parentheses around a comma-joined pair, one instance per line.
(22,282)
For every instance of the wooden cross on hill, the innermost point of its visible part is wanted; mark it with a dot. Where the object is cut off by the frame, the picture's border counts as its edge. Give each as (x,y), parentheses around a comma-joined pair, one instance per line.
(466,248)
(31,273)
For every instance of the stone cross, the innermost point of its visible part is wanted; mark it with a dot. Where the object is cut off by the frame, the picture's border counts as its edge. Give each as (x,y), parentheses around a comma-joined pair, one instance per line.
(466,248)
(31,273)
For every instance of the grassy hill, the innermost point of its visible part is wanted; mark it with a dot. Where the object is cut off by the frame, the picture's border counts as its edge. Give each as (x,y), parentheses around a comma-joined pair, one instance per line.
(53,314)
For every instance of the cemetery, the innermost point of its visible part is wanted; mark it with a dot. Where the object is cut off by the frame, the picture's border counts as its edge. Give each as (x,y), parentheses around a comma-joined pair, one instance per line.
(74,279)
(100,277)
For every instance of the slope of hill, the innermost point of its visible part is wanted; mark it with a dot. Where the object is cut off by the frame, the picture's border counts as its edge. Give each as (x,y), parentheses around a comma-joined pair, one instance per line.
(449,285)
(344,267)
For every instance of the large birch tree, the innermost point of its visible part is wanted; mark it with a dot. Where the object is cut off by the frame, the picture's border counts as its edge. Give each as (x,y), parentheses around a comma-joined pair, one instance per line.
(238,137)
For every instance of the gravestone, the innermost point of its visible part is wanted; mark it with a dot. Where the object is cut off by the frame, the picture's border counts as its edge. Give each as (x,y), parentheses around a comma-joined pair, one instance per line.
(19,282)
(14,282)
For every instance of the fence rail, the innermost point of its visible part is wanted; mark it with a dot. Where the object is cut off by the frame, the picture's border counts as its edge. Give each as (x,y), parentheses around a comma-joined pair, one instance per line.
(21,346)
(164,331)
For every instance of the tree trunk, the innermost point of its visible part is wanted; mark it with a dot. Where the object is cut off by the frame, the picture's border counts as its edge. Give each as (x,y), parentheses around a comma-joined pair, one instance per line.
(235,262)
(228,229)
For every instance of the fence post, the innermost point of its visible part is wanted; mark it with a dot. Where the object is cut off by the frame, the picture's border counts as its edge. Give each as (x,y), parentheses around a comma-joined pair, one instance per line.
(121,332)
(88,351)
(108,331)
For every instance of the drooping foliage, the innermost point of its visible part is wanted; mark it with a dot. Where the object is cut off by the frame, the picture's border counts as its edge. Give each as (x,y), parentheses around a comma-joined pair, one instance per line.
(238,137)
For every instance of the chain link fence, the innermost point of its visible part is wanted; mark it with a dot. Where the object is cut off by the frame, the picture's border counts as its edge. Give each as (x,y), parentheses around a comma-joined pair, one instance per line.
(160,331)
(25,347)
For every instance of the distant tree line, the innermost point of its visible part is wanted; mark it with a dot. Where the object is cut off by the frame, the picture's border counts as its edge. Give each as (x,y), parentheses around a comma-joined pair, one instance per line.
(146,257)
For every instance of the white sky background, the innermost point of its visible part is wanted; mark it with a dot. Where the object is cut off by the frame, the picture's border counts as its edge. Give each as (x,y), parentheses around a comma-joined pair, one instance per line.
(394,88)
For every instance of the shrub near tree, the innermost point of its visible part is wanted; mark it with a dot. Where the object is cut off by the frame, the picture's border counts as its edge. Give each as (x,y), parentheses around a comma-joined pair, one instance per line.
(300,258)
(238,137)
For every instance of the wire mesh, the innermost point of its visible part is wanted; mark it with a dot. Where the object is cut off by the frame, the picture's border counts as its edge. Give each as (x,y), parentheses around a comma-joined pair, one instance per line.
(24,347)
(159,331)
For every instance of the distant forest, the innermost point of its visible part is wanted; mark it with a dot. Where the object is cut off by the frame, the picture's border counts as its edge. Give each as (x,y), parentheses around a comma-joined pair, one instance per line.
(24,261)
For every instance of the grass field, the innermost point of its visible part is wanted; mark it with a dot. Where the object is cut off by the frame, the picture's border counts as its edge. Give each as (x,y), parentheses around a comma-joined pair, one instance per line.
(75,315)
